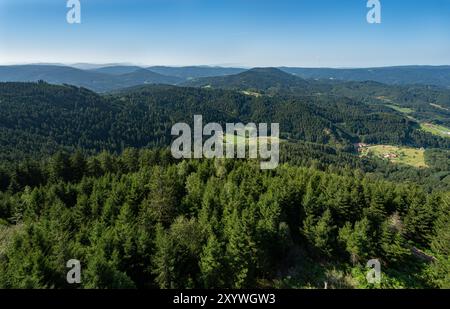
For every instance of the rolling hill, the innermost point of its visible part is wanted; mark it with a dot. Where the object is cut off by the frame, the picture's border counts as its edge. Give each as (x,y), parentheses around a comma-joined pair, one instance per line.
(117,69)
(191,72)
(95,80)
(427,104)
(269,80)
(144,76)
(113,77)
(39,117)
(400,75)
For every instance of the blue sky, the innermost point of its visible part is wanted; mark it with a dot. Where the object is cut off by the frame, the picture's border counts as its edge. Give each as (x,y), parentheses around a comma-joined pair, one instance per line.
(308,33)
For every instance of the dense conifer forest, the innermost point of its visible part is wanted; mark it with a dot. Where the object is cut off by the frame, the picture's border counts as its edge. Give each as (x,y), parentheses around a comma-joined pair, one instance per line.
(143,220)
(90,177)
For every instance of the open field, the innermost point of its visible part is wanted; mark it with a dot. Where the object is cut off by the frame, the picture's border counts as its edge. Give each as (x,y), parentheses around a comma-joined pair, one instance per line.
(427,127)
(435,129)
(404,110)
(439,106)
(251,93)
(395,154)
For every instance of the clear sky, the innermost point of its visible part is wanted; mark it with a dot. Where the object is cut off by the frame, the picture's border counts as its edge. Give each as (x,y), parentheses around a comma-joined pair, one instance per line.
(308,33)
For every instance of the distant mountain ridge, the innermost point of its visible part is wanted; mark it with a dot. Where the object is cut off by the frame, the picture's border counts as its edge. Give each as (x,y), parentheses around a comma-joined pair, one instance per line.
(95,80)
(191,72)
(398,75)
(117,69)
(144,76)
(115,77)
(258,79)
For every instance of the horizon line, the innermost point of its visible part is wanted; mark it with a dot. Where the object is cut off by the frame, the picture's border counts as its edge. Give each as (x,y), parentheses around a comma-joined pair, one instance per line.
(110,64)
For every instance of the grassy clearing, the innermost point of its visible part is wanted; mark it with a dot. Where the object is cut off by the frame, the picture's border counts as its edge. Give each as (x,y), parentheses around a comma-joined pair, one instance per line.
(252,93)
(395,154)
(403,110)
(427,127)
(439,106)
(435,129)
(394,106)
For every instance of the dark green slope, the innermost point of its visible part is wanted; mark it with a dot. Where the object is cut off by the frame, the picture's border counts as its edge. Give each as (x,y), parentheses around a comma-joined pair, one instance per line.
(267,80)
(143,76)
(49,116)
(427,103)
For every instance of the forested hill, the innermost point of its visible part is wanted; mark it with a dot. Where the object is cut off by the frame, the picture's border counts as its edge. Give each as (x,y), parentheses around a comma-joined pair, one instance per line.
(191,72)
(403,75)
(114,77)
(269,80)
(427,104)
(96,80)
(274,81)
(40,118)
(70,188)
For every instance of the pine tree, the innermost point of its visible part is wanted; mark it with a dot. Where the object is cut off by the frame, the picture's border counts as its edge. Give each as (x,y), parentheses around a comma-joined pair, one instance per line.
(320,233)
(59,167)
(193,200)
(393,244)
(441,245)
(107,162)
(161,204)
(78,166)
(130,160)
(376,212)
(211,264)
(357,240)
(240,253)
(164,259)
(94,167)
(419,219)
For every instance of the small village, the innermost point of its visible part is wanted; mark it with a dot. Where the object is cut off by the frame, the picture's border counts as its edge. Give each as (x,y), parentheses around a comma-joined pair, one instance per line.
(363,149)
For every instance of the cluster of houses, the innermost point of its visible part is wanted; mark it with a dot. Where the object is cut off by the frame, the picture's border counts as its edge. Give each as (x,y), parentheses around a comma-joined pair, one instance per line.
(390,156)
(362,147)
